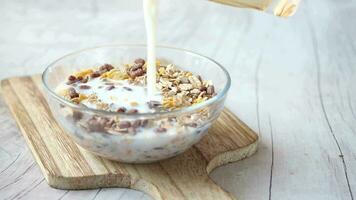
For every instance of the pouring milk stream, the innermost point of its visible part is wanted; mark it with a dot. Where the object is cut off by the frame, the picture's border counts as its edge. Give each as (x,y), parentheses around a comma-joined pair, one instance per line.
(150,15)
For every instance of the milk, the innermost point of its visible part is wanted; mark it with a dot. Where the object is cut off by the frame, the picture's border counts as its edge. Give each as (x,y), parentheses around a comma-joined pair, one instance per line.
(150,15)
(123,95)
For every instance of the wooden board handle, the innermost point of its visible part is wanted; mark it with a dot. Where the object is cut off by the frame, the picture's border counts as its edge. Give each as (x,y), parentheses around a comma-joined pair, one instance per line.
(281,8)
(183,177)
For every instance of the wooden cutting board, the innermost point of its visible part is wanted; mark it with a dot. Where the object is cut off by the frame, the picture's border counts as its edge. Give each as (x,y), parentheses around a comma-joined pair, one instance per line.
(67,166)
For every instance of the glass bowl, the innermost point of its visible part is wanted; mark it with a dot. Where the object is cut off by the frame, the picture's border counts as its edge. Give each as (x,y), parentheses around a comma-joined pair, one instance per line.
(188,125)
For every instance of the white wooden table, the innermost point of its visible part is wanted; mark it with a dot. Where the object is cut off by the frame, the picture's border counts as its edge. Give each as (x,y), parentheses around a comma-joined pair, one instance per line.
(294,81)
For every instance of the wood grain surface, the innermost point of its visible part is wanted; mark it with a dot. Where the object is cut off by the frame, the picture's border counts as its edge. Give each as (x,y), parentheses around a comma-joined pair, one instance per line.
(67,166)
(293,82)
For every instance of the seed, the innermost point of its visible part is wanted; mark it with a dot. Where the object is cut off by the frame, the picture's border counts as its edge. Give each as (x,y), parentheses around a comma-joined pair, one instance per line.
(127,88)
(153,104)
(110,87)
(160,130)
(199,77)
(84,87)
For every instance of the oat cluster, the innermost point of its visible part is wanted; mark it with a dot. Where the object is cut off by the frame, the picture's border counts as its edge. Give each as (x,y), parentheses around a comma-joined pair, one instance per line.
(182,88)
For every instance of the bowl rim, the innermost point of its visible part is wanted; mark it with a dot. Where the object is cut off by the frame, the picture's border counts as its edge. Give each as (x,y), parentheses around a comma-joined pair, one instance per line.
(192,108)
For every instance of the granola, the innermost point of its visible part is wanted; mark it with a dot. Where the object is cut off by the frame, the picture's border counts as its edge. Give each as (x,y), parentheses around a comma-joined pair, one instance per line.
(177,88)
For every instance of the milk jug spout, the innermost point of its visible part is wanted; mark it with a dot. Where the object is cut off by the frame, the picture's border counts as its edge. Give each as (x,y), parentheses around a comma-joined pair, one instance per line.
(281,8)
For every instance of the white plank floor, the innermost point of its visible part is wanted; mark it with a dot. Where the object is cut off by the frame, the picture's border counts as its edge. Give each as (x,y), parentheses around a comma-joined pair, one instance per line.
(294,81)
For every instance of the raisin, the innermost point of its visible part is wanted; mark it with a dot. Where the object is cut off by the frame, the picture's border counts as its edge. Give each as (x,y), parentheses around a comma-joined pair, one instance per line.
(106,68)
(72,78)
(85,80)
(95,74)
(73,93)
(80,78)
(203,88)
(121,110)
(132,111)
(135,67)
(77,115)
(136,70)
(136,73)
(140,61)
(98,123)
